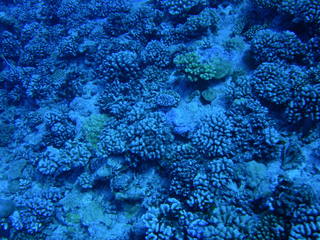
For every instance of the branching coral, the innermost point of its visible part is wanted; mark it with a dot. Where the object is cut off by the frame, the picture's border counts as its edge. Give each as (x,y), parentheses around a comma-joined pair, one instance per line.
(196,70)
(305,10)
(275,82)
(268,46)
(306,223)
(120,66)
(181,7)
(214,137)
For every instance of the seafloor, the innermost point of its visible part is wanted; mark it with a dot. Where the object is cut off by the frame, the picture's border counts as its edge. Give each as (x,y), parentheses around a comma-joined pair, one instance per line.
(159,120)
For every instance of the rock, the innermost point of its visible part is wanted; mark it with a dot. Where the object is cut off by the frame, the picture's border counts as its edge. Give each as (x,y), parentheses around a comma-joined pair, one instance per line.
(209,94)
(7,207)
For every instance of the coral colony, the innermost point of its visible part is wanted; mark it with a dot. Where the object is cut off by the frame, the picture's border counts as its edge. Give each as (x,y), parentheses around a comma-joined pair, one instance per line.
(159,119)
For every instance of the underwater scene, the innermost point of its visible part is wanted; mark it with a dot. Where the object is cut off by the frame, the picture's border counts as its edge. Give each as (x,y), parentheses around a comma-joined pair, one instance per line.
(159,120)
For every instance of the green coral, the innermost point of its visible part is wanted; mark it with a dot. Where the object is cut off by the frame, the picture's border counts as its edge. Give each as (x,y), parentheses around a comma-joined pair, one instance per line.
(93,127)
(196,70)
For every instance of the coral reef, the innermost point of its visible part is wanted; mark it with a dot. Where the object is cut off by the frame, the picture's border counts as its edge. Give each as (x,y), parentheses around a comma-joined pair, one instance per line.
(181,7)
(159,119)
(214,137)
(195,70)
(271,46)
